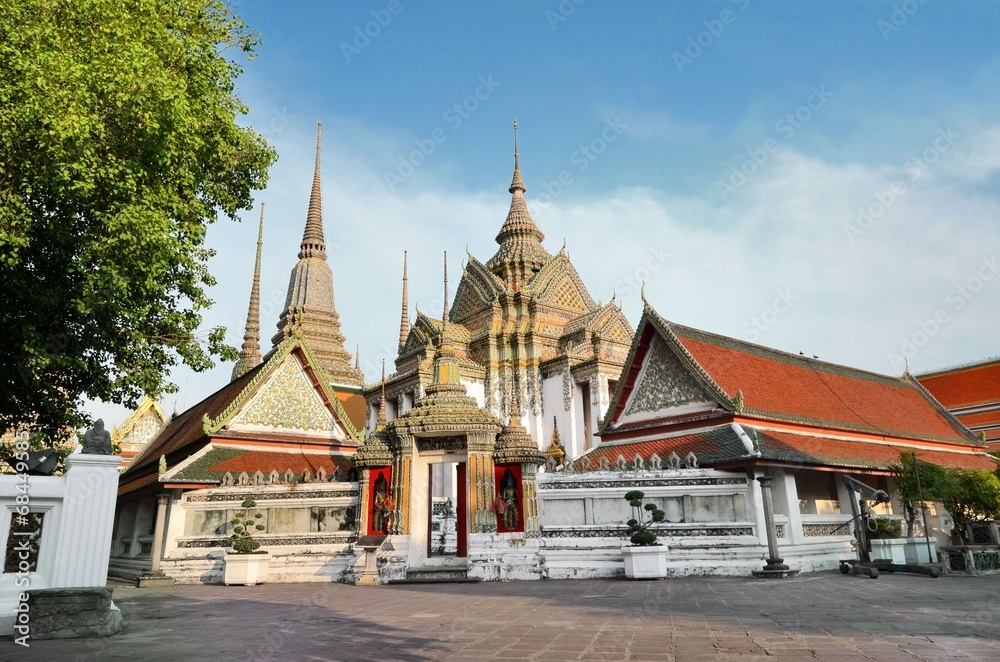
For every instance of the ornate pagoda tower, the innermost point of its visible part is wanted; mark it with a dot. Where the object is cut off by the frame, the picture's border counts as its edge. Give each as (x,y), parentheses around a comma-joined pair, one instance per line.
(250,352)
(528,338)
(309,304)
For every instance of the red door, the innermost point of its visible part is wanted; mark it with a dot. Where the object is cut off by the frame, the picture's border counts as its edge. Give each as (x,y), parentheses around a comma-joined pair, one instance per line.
(461,519)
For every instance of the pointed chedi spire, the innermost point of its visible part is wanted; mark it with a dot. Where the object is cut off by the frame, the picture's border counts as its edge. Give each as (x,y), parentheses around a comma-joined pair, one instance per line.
(404,317)
(250,352)
(357,356)
(309,305)
(381,408)
(446,369)
(313,243)
(521,253)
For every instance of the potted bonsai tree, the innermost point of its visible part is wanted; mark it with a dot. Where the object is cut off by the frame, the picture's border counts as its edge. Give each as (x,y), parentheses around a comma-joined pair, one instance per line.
(645,558)
(246,564)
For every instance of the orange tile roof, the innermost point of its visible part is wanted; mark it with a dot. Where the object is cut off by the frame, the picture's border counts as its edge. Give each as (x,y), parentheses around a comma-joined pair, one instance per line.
(267,461)
(820,450)
(786,387)
(980,418)
(964,386)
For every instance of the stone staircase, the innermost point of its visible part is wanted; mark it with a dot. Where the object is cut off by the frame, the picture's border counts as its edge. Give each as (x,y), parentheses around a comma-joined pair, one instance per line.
(437,574)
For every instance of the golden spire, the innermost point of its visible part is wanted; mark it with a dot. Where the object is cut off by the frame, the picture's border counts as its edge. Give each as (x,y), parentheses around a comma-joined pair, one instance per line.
(381,408)
(516,184)
(521,253)
(404,317)
(555,449)
(250,352)
(313,244)
(446,372)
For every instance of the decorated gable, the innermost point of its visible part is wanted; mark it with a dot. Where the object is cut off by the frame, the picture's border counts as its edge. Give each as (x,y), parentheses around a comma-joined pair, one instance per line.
(665,384)
(288,400)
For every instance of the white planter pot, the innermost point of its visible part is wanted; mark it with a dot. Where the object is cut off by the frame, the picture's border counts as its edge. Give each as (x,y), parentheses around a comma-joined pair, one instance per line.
(893,550)
(916,550)
(246,569)
(648,562)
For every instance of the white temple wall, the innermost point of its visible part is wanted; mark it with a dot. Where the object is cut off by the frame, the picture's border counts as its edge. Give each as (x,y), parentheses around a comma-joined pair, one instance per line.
(308,532)
(712,528)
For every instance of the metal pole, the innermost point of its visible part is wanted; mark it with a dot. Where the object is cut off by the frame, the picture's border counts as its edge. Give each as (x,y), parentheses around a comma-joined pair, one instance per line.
(923,509)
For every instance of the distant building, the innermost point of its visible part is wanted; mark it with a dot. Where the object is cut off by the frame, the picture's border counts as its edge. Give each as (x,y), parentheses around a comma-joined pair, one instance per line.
(140,428)
(972,393)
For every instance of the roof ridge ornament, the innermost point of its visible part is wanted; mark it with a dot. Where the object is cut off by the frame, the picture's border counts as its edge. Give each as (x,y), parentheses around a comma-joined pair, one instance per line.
(642,293)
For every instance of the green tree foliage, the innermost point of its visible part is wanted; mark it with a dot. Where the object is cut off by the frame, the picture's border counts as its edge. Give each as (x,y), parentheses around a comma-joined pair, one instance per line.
(934,483)
(118,146)
(973,495)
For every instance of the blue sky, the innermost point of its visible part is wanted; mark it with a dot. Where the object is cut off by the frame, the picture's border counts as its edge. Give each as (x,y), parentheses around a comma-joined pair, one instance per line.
(816,177)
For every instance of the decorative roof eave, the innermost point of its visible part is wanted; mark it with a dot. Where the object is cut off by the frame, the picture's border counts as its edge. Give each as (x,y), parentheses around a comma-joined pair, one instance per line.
(651,319)
(663,326)
(271,362)
(485,281)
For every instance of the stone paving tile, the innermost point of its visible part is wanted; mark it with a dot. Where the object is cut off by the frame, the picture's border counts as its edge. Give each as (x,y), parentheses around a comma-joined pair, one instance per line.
(817,617)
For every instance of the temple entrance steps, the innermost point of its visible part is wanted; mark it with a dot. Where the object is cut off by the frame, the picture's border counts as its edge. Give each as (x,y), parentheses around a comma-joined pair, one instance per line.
(440,571)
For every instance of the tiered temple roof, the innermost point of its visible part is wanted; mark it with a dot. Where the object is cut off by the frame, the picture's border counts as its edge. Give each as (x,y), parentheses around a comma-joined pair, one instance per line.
(734,403)
(972,393)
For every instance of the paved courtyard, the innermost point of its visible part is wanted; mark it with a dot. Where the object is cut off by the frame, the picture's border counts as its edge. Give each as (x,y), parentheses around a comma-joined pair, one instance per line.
(826,616)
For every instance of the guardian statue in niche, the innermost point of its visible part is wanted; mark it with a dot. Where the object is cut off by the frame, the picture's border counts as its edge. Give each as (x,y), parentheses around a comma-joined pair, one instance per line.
(507,500)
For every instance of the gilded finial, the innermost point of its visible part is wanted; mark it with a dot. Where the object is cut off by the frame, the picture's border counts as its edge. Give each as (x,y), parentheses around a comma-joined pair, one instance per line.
(515,142)
(642,293)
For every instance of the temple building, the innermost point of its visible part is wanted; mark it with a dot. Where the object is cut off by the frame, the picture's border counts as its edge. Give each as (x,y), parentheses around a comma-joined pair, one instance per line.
(972,393)
(527,335)
(140,428)
(287,422)
(434,470)
(705,424)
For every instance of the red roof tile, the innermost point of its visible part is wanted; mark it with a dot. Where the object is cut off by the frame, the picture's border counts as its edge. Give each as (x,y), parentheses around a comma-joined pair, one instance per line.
(961,387)
(819,450)
(792,388)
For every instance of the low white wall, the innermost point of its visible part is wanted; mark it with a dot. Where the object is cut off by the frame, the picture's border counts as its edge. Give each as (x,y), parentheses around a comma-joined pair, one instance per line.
(712,526)
(304,546)
(77,511)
